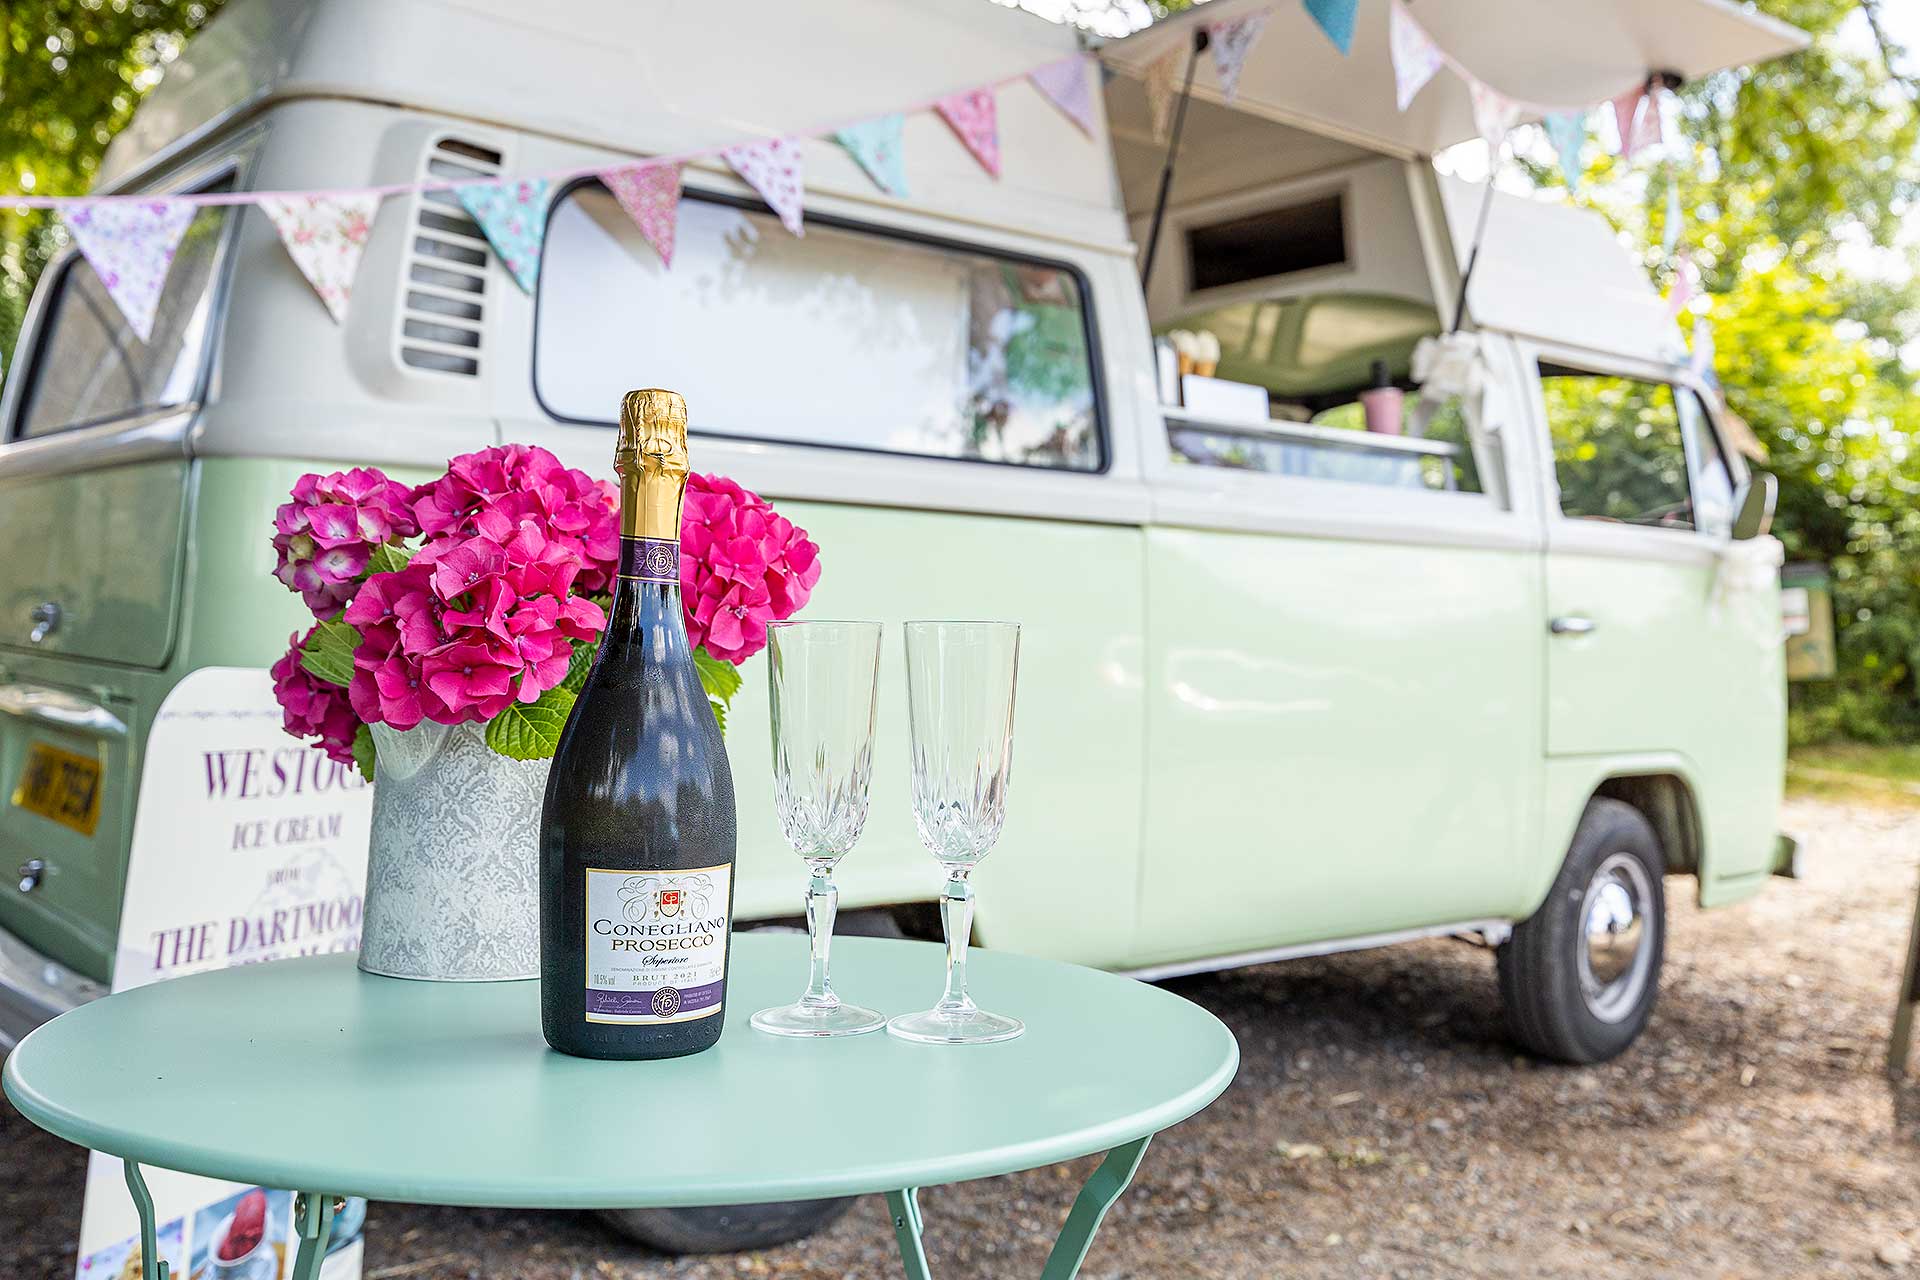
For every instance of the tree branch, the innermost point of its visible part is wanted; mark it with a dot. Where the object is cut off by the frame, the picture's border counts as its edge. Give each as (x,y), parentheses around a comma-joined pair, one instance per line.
(1890,53)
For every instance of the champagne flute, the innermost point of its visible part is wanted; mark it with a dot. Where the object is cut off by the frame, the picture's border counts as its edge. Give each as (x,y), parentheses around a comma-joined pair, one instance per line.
(960,682)
(823,678)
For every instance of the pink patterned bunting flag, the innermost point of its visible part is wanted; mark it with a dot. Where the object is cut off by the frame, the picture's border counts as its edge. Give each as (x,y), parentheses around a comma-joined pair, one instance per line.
(325,236)
(130,244)
(1494,114)
(1683,286)
(1163,86)
(774,169)
(1064,83)
(1636,113)
(972,116)
(1415,56)
(1231,42)
(650,193)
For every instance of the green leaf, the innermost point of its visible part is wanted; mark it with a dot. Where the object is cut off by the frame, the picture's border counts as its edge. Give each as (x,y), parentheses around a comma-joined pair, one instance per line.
(363,751)
(389,557)
(721,680)
(584,652)
(531,730)
(328,653)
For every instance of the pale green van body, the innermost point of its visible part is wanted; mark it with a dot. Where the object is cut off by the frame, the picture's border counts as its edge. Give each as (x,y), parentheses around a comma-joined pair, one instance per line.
(1257,716)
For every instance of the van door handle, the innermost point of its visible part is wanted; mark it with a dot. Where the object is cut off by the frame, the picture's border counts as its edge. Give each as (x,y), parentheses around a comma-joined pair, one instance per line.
(45,618)
(1571,624)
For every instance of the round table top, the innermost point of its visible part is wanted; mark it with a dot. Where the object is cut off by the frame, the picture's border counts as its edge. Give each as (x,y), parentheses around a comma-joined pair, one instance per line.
(312,1076)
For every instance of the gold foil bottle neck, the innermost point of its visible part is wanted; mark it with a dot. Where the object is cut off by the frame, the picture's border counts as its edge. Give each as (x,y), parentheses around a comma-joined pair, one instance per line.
(652,461)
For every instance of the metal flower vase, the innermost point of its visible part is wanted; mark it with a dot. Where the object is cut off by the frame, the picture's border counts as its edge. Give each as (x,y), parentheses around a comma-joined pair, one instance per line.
(452,885)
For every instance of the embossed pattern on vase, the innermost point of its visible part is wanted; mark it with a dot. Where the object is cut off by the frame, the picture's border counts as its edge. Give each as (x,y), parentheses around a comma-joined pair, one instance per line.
(452,888)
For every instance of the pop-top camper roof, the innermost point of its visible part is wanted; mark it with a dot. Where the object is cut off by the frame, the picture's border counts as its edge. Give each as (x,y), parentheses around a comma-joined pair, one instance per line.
(1537,51)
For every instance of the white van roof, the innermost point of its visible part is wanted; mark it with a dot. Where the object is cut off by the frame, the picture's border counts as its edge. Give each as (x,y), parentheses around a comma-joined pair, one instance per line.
(659,77)
(1575,54)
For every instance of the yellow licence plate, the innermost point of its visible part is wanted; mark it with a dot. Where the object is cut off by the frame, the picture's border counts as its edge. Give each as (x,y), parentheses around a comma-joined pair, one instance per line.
(60,786)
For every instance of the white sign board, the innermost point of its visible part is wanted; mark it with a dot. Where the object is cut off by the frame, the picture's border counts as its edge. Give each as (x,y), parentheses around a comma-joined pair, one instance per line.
(248,845)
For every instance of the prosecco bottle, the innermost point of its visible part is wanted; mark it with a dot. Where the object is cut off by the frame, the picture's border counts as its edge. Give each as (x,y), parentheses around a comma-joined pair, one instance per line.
(637,829)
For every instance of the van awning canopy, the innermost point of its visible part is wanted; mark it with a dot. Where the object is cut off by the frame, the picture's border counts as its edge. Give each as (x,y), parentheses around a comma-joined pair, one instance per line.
(1538,51)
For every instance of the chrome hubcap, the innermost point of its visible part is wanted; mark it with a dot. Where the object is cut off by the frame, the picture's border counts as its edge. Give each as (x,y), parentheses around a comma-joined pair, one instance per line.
(1616,961)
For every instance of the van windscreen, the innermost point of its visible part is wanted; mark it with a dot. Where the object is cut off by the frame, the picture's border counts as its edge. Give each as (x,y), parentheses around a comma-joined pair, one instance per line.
(844,337)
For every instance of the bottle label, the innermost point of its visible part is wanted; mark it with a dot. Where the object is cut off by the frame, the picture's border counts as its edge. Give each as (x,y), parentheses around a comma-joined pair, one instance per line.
(651,560)
(656,944)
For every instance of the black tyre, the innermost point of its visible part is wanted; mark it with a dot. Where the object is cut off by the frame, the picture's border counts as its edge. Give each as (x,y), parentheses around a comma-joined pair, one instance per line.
(725,1228)
(1580,976)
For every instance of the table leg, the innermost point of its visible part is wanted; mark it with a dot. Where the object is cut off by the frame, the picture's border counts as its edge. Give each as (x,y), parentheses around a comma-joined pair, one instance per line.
(1090,1207)
(905,1208)
(313,1218)
(1076,1236)
(152,1265)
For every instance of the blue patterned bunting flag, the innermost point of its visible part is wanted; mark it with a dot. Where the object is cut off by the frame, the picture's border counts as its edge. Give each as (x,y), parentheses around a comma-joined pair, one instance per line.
(1336,19)
(514,217)
(1568,132)
(876,145)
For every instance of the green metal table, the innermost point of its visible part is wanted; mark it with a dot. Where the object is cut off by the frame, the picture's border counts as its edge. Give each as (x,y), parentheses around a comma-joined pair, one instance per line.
(312,1076)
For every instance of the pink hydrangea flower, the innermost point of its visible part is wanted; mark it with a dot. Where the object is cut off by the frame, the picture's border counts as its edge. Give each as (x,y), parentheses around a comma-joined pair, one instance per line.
(470,626)
(495,491)
(325,535)
(312,708)
(742,566)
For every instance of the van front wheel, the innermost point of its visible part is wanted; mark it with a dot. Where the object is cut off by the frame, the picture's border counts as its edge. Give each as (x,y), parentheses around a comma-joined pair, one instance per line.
(1579,977)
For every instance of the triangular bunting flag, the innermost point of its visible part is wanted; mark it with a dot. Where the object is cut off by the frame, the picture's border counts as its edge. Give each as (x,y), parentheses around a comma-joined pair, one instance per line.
(1702,362)
(1683,286)
(1494,113)
(1064,83)
(1231,42)
(1670,225)
(1637,115)
(876,145)
(1163,86)
(650,193)
(325,236)
(775,170)
(972,116)
(130,244)
(1336,19)
(1568,132)
(1415,56)
(514,217)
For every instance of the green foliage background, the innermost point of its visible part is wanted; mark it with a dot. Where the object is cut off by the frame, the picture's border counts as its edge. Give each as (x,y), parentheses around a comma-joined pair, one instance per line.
(1790,171)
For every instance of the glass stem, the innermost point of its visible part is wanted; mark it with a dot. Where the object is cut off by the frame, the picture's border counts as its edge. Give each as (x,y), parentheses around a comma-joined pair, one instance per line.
(956,918)
(823,903)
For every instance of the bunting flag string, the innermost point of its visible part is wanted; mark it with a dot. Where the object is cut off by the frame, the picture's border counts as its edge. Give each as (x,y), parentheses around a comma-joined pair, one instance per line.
(875,146)
(513,217)
(1416,58)
(1066,86)
(1335,18)
(130,244)
(1231,42)
(325,236)
(972,116)
(650,193)
(776,170)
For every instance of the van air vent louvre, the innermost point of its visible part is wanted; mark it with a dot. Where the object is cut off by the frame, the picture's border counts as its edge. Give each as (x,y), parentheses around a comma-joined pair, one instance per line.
(443,317)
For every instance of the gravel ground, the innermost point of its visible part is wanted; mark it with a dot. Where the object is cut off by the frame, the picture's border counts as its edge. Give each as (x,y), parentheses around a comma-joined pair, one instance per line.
(1382,1126)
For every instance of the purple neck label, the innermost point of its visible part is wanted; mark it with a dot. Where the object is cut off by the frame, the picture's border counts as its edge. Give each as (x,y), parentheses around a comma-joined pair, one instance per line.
(650,560)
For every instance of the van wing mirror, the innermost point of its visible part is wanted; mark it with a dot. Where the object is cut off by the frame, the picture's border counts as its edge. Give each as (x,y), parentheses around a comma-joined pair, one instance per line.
(1755,516)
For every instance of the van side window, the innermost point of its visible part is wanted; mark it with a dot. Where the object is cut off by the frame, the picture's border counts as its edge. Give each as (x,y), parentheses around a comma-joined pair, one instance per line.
(1619,448)
(89,367)
(846,337)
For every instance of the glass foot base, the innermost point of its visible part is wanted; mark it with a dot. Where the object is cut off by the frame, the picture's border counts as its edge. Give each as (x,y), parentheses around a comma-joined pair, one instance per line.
(935,1026)
(817,1020)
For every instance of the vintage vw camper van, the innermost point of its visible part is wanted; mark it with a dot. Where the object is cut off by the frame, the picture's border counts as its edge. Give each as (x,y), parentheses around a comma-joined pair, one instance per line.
(1290,686)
